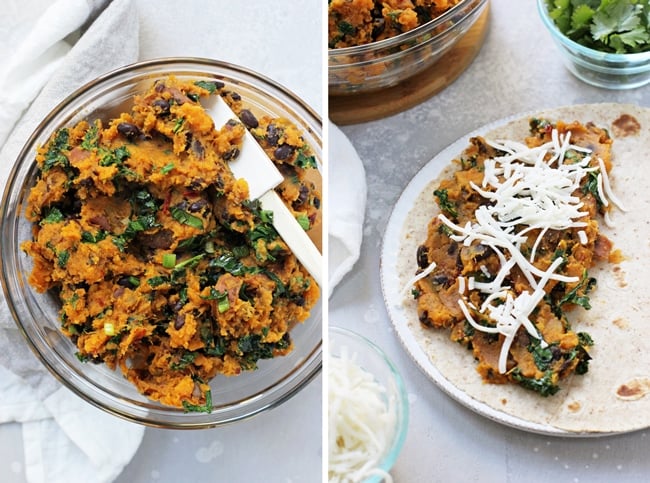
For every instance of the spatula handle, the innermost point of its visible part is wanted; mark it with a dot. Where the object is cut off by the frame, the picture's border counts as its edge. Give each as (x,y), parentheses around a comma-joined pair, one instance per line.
(294,235)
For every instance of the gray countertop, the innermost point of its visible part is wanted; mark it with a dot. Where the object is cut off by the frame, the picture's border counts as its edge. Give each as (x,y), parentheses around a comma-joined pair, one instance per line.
(517,70)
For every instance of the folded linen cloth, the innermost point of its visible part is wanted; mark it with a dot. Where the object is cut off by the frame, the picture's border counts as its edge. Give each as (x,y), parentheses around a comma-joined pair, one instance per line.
(347,208)
(51,49)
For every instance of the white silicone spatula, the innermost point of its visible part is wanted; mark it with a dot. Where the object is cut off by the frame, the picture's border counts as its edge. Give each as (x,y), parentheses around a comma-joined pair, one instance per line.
(262,176)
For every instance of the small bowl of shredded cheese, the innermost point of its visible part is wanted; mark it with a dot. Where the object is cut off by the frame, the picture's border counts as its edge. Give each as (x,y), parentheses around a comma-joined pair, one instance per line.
(367,410)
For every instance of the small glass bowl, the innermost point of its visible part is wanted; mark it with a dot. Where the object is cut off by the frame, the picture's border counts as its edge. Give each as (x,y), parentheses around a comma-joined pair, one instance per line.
(385,63)
(600,69)
(36,314)
(372,359)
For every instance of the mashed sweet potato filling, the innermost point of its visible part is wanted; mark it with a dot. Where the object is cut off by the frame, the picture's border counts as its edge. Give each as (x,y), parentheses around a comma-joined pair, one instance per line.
(162,264)
(505,295)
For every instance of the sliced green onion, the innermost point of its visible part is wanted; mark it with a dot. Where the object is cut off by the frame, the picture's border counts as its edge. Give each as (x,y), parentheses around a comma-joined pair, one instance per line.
(189,261)
(223,303)
(169,260)
(178,125)
(185,218)
(303,221)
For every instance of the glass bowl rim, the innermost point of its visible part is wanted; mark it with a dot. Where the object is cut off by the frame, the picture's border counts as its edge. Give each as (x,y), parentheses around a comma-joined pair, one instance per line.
(105,400)
(593,54)
(388,460)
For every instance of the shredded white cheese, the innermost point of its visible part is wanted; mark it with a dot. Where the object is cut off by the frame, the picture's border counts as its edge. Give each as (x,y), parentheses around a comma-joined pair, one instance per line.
(582,236)
(533,188)
(361,421)
(409,285)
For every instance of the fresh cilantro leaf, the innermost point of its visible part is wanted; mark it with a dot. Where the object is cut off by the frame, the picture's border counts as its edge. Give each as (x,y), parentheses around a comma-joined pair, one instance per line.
(620,26)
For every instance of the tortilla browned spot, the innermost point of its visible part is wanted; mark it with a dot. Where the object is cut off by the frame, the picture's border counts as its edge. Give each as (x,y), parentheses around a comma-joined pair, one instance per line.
(626,125)
(633,390)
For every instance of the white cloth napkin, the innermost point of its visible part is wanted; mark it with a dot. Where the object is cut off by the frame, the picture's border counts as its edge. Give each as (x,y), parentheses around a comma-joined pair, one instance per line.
(49,49)
(347,206)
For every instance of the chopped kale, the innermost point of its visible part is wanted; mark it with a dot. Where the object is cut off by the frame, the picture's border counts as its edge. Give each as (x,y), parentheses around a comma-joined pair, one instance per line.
(446,206)
(303,161)
(186,218)
(544,386)
(53,216)
(54,155)
(91,138)
(578,295)
(186,359)
(209,86)
(206,408)
(88,237)
(543,356)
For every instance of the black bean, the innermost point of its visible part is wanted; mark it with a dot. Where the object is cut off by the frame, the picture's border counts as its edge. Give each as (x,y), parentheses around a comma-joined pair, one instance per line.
(248,118)
(198,148)
(424,318)
(316,203)
(160,86)
(162,105)
(283,151)
(235,97)
(272,135)
(453,246)
(441,279)
(423,256)
(378,28)
(197,184)
(480,252)
(179,322)
(197,205)
(304,194)
(127,281)
(182,205)
(232,154)
(128,130)
(556,352)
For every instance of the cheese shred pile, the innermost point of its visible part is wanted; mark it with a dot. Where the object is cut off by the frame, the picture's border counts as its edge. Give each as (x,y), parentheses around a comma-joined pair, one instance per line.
(362,421)
(533,188)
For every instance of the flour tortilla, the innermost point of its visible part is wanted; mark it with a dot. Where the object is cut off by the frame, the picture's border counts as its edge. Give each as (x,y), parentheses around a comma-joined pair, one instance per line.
(614,396)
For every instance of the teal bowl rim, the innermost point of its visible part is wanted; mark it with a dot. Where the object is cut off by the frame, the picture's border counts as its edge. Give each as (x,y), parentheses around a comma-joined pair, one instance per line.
(596,55)
(388,461)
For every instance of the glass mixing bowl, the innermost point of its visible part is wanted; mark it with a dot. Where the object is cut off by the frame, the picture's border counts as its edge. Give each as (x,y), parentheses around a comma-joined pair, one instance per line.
(36,314)
(381,64)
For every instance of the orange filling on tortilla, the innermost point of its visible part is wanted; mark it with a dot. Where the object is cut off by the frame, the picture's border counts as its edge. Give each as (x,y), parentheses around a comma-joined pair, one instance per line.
(543,348)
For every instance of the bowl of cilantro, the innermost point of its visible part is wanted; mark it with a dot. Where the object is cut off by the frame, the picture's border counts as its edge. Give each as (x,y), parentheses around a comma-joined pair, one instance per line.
(605,43)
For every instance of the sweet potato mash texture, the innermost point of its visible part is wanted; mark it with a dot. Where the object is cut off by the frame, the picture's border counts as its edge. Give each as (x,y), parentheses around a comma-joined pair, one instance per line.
(163,266)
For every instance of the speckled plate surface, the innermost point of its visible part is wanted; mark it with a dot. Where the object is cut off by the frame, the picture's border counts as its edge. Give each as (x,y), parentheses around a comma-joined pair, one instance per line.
(613,396)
